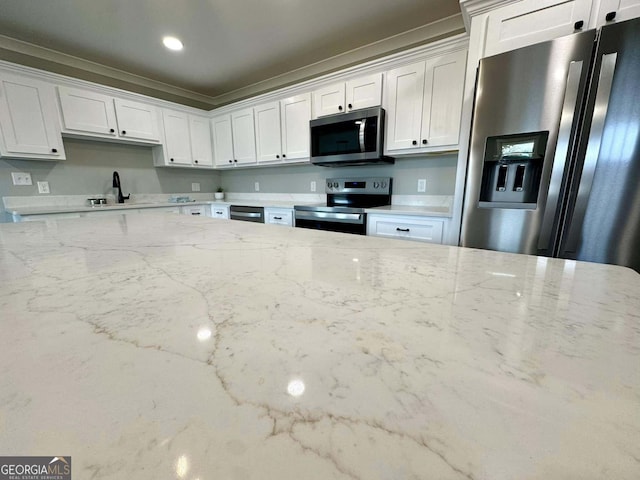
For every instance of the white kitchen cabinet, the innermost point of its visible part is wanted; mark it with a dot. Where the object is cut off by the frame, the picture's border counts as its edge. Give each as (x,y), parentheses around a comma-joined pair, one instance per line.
(29,120)
(533,21)
(187,141)
(406,227)
(278,216)
(222,140)
(200,135)
(282,129)
(219,210)
(89,113)
(136,120)
(268,136)
(177,143)
(424,104)
(623,9)
(354,94)
(244,137)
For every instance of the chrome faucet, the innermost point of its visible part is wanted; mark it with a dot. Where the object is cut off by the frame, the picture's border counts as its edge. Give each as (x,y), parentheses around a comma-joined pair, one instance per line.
(116,184)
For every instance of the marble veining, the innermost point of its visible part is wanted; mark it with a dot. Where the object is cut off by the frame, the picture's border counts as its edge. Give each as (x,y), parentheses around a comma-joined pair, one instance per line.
(169,346)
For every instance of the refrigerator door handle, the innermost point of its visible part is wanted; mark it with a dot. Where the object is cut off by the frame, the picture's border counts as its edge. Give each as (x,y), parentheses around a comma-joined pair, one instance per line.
(605,83)
(562,151)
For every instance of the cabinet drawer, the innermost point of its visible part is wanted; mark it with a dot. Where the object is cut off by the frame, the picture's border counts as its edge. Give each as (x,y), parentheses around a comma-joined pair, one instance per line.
(279,217)
(220,211)
(419,229)
(195,210)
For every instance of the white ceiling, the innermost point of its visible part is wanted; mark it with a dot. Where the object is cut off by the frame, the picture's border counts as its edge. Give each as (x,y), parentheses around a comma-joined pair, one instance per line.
(229,44)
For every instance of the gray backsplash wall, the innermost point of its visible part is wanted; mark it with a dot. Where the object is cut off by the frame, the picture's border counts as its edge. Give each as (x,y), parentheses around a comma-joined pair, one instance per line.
(89,168)
(440,172)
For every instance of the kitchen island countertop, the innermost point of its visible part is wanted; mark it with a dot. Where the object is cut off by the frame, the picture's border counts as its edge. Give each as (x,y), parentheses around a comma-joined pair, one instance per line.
(192,348)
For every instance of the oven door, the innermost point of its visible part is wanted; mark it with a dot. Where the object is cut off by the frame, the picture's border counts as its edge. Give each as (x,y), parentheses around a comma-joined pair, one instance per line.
(332,222)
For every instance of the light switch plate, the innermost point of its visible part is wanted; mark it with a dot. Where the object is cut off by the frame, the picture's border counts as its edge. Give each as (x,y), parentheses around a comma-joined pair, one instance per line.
(43,187)
(422,185)
(21,178)
(257,186)
(195,187)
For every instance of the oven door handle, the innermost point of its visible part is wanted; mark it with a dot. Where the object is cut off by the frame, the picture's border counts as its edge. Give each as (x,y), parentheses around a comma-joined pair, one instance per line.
(331,217)
(246,214)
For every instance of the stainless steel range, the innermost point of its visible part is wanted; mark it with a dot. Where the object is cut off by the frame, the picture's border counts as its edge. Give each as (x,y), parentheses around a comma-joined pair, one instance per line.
(347,199)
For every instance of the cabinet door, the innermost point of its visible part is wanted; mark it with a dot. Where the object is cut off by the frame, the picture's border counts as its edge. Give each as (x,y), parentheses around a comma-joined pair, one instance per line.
(443,92)
(222,140)
(87,112)
(278,216)
(137,121)
(268,143)
(405,227)
(533,21)
(244,139)
(405,90)
(220,211)
(29,119)
(328,100)
(364,92)
(624,10)
(296,114)
(200,141)
(176,138)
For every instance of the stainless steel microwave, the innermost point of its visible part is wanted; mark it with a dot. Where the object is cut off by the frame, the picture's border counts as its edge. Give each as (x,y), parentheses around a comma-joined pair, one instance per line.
(354,138)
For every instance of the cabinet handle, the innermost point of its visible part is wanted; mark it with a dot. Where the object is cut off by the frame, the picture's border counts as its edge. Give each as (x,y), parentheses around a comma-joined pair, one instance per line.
(171,159)
(124,132)
(340,107)
(277,156)
(277,218)
(610,16)
(284,156)
(196,161)
(350,106)
(415,142)
(54,150)
(218,213)
(235,161)
(424,142)
(111,130)
(578,25)
(230,161)
(398,229)
(195,213)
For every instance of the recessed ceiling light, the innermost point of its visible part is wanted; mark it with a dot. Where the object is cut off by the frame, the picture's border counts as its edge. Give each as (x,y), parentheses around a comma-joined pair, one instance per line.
(172,43)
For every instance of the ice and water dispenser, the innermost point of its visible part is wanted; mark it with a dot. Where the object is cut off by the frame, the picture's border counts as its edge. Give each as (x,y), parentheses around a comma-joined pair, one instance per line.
(512,170)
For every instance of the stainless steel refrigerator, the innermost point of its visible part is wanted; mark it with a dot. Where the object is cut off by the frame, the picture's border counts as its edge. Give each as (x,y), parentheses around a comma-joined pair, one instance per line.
(554,157)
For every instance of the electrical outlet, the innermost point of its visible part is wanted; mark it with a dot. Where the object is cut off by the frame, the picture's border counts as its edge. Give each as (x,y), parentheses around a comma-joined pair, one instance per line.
(313,186)
(257,186)
(422,185)
(21,178)
(195,187)
(43,187)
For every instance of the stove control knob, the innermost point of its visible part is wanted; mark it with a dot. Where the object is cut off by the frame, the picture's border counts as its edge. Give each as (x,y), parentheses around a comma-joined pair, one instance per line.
(335,185)
(329,185)
(376,185)
(384,184)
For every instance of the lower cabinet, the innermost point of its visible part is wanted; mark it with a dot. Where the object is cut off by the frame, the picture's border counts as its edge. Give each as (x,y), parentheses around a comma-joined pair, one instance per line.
(219,211)
(195,210)
(406,227)
(278,216)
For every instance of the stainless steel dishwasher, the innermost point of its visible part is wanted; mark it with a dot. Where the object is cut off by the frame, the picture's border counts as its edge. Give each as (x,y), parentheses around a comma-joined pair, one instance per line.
(246,214)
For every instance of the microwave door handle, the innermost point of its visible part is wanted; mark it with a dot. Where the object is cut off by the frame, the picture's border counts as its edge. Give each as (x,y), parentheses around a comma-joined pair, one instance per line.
(363,123)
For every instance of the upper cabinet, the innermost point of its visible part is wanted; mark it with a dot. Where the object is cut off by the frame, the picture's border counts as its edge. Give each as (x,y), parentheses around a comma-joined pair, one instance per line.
(29,119)
(282,129)
(533,21)
(354,94)
(187,141)
(234,139)
(89,113)
(424,103)
(616,11)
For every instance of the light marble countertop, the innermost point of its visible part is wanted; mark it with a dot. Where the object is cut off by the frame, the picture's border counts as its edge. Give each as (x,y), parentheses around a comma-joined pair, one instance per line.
(171,346)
